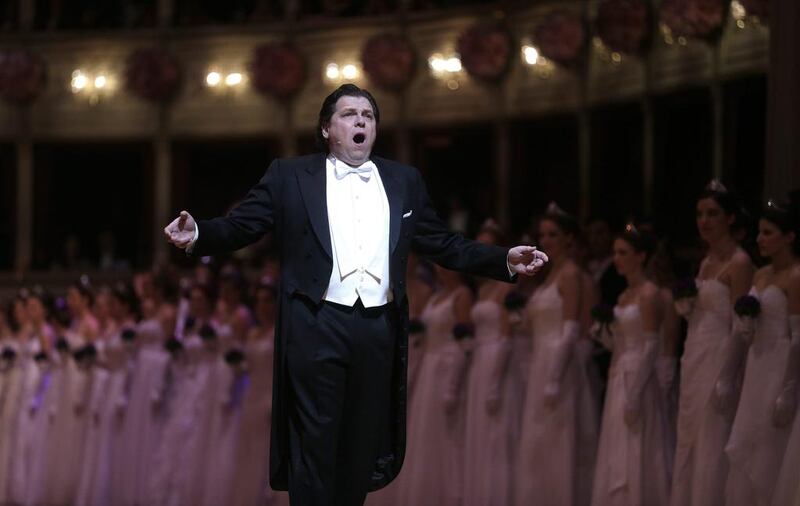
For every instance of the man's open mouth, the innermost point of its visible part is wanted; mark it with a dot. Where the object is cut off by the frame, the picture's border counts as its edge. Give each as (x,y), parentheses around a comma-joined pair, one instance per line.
(359,138)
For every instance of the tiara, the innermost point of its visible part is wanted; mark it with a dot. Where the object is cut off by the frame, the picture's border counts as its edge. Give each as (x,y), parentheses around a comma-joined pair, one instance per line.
(630,228)
(554,209)
(771,204)
(490,224)
(715,185)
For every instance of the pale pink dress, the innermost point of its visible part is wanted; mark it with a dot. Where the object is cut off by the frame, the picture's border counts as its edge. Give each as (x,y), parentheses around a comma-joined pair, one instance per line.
(433,469)
(701,466)
(69,428)
(144,414)
(251,486)
(487,462)
(179,462)
(28,438)
(787,490)
(556,432)
(756,447)
(632,462)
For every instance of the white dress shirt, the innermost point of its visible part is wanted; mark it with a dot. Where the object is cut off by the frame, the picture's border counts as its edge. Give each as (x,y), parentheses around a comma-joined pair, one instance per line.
(358,217)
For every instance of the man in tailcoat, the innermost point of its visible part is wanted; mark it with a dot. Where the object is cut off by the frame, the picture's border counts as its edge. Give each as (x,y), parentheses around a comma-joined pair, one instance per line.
(345,223)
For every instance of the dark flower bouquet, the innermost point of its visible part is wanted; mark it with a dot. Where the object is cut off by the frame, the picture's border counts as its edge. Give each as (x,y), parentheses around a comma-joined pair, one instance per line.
(685,289)
(463,331)
(415,326)
(173,346)
(236,359)
(747,306)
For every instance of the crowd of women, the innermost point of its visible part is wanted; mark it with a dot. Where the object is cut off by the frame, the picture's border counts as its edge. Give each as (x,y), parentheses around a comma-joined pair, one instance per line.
(126,395)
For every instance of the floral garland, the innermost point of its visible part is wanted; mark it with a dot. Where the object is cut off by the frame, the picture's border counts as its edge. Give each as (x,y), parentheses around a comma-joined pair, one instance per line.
(152,74)
(623,25)
(561,37)
(702,19)
(278,70)
(485,50)
(22,76)
(388,60)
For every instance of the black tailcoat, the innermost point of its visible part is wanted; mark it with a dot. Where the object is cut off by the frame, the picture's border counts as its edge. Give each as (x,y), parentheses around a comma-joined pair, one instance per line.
(291,201)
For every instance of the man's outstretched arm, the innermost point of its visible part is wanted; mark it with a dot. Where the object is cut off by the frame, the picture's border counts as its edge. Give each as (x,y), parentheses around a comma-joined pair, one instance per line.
(244,225)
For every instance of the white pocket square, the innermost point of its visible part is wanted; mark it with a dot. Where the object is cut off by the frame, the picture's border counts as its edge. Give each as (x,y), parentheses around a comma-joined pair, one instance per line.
(408,214)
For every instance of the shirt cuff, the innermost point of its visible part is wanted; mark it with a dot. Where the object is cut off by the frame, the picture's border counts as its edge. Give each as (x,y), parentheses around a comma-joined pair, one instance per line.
(194,239)
(511,273)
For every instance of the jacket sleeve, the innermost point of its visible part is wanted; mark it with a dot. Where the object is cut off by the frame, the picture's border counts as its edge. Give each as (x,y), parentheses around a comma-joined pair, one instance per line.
(245,223)
(433,240)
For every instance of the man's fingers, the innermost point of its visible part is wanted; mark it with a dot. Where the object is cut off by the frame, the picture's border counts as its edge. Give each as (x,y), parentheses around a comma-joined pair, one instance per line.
(182,220)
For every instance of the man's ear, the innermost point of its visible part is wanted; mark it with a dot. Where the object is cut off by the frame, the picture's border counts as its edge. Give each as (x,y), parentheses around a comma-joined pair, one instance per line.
(325,132)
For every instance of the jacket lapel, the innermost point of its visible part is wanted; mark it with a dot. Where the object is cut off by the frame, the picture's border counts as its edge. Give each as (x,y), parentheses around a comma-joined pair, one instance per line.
(313,191)
(394,193)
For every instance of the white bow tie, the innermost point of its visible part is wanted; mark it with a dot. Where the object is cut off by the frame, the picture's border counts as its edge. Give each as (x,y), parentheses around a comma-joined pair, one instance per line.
(364,170)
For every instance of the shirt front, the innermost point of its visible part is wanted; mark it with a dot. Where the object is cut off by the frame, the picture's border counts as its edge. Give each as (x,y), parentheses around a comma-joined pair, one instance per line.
(358,217)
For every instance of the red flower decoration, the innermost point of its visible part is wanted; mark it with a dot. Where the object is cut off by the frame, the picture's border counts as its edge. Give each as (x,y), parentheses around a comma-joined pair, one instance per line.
(561,37)
(758,8)
(388,60)
(152,74)
(277,70)
(485,51)
(21,76)
(623,25)
(694,18)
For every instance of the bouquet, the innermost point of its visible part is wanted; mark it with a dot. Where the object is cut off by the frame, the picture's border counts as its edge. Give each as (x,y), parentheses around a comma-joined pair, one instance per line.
(514,303)
(128,335)
(85,355)
(685,292)
(463,331)
(747,309)
(747,306)
(415,326)
(173,346)
(8,354)
(603,316)
(62,345)
(207,333)
(236,359)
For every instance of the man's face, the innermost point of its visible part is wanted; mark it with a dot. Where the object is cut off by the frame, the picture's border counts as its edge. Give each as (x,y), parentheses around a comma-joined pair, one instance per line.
(351,131)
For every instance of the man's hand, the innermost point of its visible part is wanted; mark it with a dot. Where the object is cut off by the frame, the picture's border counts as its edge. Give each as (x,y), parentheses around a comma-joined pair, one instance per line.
(526,260)
(181,231)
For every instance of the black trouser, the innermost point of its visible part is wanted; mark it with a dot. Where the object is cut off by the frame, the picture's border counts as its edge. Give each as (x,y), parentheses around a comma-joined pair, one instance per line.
(339,407)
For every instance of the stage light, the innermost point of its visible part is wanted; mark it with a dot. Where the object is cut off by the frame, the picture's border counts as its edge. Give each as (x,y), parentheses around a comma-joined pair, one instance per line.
(530,54)
(100,82)
(332,71)
(233,79)
(213,79)
(79,81)
(349,71)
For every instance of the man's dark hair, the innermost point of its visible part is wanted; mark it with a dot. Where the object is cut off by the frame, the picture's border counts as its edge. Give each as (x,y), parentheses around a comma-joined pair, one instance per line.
(329,107)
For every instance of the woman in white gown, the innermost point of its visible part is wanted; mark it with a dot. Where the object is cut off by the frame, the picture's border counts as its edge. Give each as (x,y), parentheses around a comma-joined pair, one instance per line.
(760,431)
(250,486)
(12,378)
(557,398)
(73,384)
(177,467)
(635,451)
(787,490)
(704,417)
(433,465)
(490,411)
(33,423)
